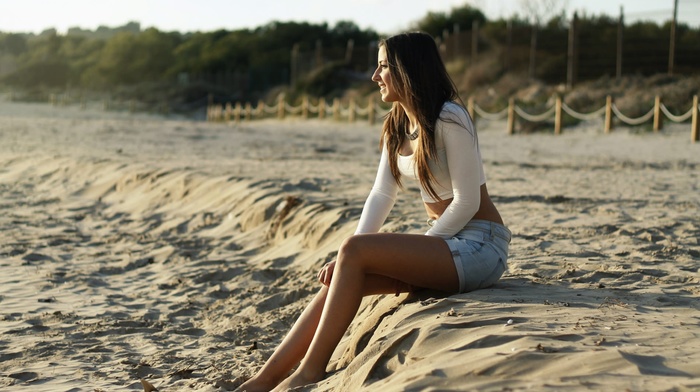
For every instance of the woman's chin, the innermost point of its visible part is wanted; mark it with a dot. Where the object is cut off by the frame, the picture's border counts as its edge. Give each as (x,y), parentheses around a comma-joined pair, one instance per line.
(386,98)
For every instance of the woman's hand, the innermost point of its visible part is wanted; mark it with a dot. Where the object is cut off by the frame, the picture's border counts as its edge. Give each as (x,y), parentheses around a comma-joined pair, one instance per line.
(326,273)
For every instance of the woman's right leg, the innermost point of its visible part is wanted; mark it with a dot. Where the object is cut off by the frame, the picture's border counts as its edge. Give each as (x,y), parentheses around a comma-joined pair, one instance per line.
(294,346)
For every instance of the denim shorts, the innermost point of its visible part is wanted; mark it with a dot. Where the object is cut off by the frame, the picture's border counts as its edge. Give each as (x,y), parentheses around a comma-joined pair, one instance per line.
(480,252)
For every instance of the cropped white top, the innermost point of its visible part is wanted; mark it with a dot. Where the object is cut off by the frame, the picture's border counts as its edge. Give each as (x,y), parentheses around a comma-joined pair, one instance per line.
(458,173)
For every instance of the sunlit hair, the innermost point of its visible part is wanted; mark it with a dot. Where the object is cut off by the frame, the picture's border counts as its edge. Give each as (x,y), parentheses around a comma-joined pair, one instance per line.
(423,85)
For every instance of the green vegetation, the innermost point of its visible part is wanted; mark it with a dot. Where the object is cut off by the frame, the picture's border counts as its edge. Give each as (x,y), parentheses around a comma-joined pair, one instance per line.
(241,64)
(316,59)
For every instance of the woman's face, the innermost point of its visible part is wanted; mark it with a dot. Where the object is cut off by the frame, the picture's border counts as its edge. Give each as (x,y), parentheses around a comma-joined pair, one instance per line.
(383,77)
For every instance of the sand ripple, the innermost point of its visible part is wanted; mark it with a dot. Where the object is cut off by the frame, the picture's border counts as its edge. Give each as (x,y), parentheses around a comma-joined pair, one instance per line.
(179,253)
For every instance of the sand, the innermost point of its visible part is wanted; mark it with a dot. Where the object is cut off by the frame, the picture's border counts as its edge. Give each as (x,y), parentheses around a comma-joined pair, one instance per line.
(179,252)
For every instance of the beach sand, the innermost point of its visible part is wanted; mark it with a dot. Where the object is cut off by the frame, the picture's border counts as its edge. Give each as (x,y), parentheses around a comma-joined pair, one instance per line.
(179,252)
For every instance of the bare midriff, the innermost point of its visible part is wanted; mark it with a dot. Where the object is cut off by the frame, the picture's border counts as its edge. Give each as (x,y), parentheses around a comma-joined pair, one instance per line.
(487,211)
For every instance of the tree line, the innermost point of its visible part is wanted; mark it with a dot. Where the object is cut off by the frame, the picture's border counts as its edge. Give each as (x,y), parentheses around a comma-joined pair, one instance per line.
(247,63)
(51,60)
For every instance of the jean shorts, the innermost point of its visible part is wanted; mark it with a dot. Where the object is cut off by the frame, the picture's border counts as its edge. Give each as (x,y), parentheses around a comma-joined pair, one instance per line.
(480,252)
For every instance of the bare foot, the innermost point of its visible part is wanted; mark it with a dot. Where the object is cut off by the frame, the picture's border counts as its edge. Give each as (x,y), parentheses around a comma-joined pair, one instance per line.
(297,379)
(255,385)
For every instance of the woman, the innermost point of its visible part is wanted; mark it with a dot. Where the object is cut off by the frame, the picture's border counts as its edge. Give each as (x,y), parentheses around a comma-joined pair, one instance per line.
(429,137)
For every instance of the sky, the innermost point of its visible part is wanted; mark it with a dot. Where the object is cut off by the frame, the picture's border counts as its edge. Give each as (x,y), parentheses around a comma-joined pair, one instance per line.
(384,16)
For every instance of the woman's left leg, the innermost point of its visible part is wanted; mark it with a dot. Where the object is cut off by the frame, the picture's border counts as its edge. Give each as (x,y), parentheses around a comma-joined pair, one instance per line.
(295,344)
(418,260)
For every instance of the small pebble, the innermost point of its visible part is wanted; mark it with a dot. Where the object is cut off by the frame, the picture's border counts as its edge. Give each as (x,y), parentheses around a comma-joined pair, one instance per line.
(510,321)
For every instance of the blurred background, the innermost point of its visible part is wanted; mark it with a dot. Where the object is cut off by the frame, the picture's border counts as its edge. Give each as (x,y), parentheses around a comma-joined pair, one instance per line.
(185,55)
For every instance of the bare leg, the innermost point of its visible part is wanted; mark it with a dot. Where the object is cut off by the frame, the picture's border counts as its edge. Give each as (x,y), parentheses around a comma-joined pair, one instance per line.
(418,260)
(291,350)
(294,346)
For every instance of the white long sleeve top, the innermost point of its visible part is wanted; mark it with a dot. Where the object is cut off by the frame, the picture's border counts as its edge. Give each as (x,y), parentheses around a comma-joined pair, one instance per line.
(458,172)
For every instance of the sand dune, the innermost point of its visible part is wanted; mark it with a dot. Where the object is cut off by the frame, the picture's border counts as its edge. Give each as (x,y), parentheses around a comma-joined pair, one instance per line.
(137,247)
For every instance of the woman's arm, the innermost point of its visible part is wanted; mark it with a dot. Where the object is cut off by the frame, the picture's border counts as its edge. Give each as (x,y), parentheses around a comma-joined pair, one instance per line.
(459,138)
(381,198)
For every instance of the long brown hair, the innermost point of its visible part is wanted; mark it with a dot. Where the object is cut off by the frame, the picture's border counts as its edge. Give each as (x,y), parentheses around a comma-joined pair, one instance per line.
(422,82)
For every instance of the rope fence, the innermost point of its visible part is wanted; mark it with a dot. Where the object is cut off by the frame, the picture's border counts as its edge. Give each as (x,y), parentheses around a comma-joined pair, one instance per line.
(373,110)
(282,109)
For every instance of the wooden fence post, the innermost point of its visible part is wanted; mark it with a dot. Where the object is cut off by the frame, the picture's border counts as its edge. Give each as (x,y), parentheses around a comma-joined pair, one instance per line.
(351,110)
(658,120)
(294,65)
(533,51)
(694,135)
(557,116)
(348,50)
(260,109)
(305,107)
(672,45)
(280,106)
(227,112)
(608,114)
(336,109)
(248,111)
(572,54)
(371,114)
(456,40)
(511,115)
(509,44)
(318,55)
(237,113)
(322,108)
(620,33)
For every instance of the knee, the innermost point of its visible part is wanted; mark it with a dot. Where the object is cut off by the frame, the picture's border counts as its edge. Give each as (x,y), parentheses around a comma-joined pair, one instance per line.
(350,252)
